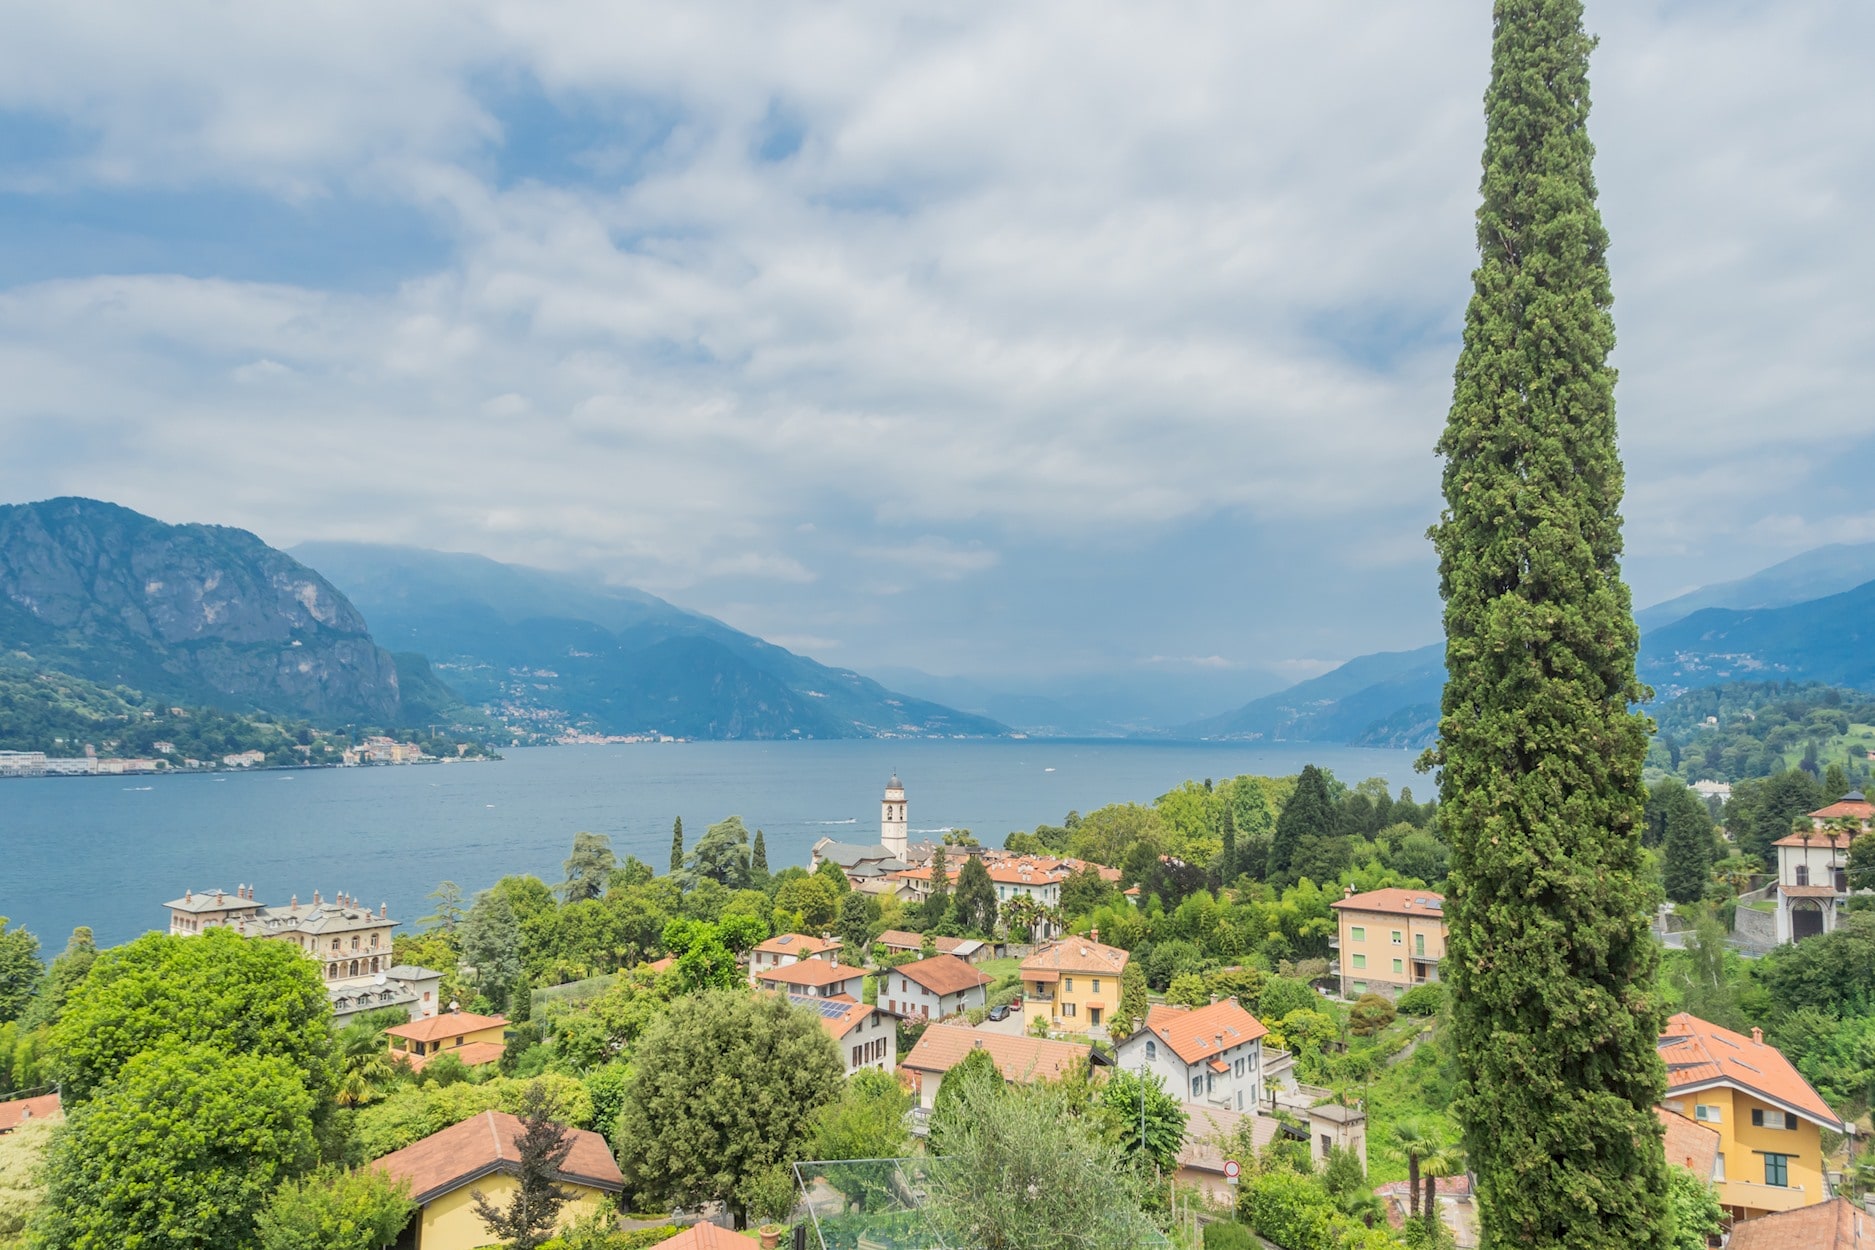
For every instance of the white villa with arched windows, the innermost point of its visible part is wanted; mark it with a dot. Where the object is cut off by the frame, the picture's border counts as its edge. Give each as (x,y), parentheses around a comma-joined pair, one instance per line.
(1813,868)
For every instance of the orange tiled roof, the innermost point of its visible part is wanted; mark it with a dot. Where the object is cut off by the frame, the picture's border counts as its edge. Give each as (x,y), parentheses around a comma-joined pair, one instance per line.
(17,1112)
(661,966)
(1396,901)
(1834,1225)
(1690,1144)
(1018,1058)
(943,974)
(1194,1033)
(1832,839)
(469,1054)
(487,1143)
(839,1015)
(798,944)
(1699,1054)
(1845,809)
(1074,954)
(811,972)
(705,1236)
(1806,891)
(449,1024)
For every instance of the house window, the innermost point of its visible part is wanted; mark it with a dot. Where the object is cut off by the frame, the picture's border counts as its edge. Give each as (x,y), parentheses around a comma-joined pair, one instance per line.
(1718,1167)
(1237,1068)
(1068,985)
(1803,874)
(1067,1009)
(1360,961)
(1358,933)
(1096,985)
(1761,1118)
(1397,939)
(1197,1087)
(1360,988)
(1152,1049)
(1839,880)
(1777,1170)
(1419,945)
(1399,966)
(1709,1112)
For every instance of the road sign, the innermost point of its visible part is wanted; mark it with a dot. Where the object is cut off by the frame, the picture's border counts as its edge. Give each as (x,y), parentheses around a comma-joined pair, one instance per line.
(1231,1170)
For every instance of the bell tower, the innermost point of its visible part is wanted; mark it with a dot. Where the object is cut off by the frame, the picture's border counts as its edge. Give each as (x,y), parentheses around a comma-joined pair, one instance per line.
(892,827)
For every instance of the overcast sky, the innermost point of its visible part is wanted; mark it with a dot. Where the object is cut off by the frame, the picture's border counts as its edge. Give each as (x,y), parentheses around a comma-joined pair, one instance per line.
(981,339)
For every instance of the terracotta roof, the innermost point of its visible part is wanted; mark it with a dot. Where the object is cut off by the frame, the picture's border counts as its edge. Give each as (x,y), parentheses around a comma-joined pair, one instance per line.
(1075,954)
(811,972)
(705,1236)
(1699,1054)
(1833,840)
(1845,808)
(839,1015)
(943,974)
(1202,1032)
(1834,1225)
(448,1024)
(944,1046)
(1205,1125)
(1806,891)
(17,1112)
(1690,1144)
(1397,902)
(900,939)
(661,966)
(488,1143)
(469,1055)
(798,944)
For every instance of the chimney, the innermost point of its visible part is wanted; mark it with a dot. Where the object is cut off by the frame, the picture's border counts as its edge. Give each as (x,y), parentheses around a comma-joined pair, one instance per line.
(1757,1036)
(384,911)
(315,898)
(1094,933)
(295,903)
(1214,1000)
(188,895)
(1347,891)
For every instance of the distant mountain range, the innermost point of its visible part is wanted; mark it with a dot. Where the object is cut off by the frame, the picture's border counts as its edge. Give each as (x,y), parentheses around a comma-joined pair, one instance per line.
(197,614)
(1808,618)
(549,649)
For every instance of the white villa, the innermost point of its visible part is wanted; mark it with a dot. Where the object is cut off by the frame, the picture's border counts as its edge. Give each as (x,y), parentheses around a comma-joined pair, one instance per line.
(1813,868)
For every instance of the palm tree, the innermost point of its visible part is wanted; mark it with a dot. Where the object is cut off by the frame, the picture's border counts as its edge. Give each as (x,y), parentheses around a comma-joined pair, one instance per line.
(1411,1137)
(1443,1160)
(365,1065)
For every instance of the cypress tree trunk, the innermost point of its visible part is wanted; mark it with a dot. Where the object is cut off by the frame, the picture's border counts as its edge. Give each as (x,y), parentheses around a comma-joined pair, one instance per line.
(1550,960)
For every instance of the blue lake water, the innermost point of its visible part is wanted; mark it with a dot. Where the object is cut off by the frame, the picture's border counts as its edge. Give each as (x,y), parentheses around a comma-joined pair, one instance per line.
(109,851)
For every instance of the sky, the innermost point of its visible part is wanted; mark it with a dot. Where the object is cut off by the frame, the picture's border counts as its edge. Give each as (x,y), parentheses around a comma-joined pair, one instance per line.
(1004,341)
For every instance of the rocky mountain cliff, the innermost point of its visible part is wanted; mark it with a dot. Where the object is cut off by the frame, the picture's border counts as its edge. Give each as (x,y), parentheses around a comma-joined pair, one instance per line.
(200,614)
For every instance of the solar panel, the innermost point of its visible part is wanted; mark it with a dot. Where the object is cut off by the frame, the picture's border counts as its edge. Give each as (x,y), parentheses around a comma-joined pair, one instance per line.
(829,1010)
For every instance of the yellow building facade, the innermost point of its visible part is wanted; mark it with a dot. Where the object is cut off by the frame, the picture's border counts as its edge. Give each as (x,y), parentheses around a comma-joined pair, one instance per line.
(1769,1120)
(1389,940)
(449,1221)
(1073,984)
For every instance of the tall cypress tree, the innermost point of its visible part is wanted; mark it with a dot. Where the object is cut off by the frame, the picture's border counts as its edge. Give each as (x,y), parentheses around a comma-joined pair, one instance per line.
(1308,816)
(677,846)
(758,858)
(1549,958)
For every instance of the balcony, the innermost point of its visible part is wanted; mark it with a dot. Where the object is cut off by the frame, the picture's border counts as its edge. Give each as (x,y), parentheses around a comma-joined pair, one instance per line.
(1761,1197)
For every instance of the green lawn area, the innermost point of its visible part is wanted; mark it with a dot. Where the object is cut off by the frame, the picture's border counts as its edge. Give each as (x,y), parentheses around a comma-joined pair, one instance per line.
(1762,904)
(999,968)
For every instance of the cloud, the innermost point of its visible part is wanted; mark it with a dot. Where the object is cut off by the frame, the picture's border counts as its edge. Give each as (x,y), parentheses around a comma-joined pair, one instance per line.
(780,309)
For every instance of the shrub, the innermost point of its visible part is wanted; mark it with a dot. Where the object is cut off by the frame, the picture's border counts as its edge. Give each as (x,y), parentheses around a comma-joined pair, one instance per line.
(1422,1000)
(1370,1014)
(1228,1236)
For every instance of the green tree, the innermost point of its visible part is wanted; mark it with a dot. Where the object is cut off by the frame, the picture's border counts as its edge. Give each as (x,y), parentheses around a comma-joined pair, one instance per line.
(1687,858)
(1862,862)
(68,971)
(588,867)
(948,1105)
(1131,1013)
(447,897)
(239,997)
(857,913)
(1549,958)
(1693,1211)
(533,1207)
(866,1122)
(724,1087)
(491,944)
(1023,1169)
(937,904)
(1308,821)
(336,1210)
(758,858)
(974,904)
(677,846)
(1132,1100)
(20,971)
(179,1152)
(722,854)
(22,1177)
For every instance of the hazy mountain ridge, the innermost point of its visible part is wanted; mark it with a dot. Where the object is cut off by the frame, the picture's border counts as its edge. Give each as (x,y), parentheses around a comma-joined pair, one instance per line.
(1802,619)
(199,614)
(537,645)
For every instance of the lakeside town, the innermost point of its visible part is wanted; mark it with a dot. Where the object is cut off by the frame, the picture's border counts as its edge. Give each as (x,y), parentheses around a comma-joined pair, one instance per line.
(1303,1056)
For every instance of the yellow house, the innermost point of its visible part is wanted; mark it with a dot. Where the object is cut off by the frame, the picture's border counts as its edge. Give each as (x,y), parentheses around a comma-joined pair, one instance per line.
(1769,1121)
(446,1169)
(1389,941)
(471,1038)
(1072,983)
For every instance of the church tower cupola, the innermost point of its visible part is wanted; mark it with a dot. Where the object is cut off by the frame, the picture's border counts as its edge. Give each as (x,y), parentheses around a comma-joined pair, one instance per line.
(892,819)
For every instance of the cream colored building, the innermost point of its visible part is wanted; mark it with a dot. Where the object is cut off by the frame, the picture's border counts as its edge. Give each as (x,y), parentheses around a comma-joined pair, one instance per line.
(1073,984)
(1389,941)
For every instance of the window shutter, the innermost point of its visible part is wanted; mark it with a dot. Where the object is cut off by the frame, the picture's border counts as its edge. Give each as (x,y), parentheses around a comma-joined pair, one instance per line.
(1757,1118)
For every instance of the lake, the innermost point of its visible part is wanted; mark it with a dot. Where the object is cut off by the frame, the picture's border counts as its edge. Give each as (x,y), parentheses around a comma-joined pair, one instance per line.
(110,851)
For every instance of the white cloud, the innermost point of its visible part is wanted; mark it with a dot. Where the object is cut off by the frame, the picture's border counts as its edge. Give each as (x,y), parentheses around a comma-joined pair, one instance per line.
(1062,273)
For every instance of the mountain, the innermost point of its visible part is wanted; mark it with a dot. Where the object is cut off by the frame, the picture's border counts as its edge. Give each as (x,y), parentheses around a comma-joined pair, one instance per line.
(555,651)
(1813,575)
(197,614)
(1806,618)
(1825,640)
(1384,699)
(1139,701)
